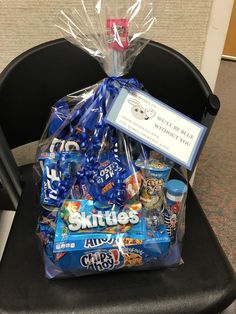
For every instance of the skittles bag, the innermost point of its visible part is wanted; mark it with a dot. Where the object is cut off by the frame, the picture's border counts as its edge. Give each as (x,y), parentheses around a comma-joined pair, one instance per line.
(108,202)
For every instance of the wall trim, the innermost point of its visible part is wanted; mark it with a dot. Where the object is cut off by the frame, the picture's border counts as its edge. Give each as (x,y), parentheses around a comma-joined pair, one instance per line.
(216,35)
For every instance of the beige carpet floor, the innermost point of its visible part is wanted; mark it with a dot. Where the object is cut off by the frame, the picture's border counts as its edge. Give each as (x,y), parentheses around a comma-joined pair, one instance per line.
(215,182)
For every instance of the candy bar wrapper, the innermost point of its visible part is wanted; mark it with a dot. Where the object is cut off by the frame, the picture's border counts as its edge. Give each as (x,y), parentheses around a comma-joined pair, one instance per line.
(108,202)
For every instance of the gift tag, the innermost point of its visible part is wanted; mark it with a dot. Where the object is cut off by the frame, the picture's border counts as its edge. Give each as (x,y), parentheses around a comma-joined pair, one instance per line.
(157,125)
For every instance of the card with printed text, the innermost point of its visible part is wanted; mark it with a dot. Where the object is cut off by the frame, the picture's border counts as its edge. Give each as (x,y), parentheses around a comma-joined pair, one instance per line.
(157,125)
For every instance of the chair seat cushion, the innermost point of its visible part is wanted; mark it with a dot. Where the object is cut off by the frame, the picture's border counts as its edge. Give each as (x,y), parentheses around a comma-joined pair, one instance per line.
(204,284)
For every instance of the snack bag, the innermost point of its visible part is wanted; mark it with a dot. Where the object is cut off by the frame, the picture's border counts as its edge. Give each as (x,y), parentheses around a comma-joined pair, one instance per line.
(108,202)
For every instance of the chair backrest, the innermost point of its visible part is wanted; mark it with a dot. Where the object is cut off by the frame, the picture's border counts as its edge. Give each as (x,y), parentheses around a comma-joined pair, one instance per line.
(35,80)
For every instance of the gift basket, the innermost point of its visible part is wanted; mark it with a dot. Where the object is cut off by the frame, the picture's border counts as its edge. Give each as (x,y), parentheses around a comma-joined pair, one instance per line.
(108,201)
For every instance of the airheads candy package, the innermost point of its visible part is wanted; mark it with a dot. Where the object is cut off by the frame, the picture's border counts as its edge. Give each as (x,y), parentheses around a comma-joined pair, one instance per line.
(101,238)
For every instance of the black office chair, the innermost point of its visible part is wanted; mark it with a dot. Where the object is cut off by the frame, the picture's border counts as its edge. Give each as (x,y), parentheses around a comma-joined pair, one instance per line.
(28,88)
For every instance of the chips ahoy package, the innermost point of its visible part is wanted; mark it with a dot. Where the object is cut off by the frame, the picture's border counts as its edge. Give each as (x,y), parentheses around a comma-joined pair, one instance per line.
(108,202)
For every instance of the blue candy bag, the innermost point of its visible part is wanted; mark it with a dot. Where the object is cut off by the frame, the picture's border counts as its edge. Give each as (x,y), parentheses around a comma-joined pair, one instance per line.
(105,198)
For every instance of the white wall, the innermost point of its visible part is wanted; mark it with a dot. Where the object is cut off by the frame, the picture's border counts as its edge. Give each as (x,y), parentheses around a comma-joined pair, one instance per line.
(216,34)
(26,23)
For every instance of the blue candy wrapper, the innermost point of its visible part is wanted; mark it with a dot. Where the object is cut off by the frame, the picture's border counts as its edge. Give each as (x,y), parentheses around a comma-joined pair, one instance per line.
(59,176)
(85,216)
(50,182)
